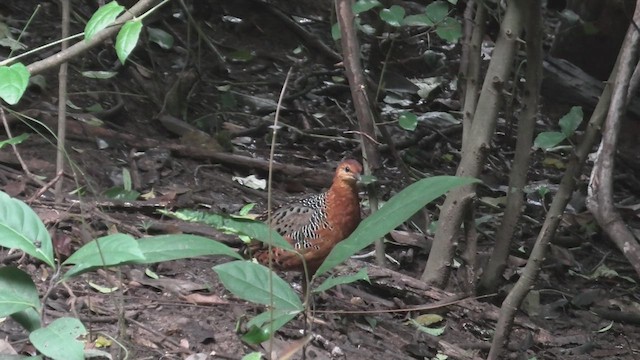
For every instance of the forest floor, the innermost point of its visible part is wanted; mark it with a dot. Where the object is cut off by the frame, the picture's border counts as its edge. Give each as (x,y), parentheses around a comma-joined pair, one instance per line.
(585,302)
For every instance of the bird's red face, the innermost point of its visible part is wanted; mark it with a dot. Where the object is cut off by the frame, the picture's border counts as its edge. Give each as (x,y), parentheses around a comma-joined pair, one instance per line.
(349,171)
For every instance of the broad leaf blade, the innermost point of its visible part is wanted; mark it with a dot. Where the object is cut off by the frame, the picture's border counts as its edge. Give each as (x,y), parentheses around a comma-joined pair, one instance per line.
(103,17)
(109,250)
(28,318)
(393,15)
(250,281)
(59,339)
(20,228)
(437,11)
(266,324)
(570,122)
(127,39)
(339,280)
(397,210)
(548,139)
(180,246)
(251,228)
(449,29)
(18,291)
(13,82)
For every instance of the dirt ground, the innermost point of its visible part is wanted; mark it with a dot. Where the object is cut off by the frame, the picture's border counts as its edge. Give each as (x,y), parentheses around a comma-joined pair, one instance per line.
(584,305)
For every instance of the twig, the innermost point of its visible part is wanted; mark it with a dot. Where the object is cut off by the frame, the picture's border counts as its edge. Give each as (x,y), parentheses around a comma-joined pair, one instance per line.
(24,166)
(62,103)
(552,220)
(600,199)
(46,187)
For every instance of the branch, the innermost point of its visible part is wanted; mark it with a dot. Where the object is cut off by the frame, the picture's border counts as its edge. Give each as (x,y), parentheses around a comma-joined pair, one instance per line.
(600,199)
(82,46)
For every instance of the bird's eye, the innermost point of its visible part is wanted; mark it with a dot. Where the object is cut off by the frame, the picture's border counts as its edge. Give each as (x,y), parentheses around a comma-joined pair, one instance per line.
(347,169)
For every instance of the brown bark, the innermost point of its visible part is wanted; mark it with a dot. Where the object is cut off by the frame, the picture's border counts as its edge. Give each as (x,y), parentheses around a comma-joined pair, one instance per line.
(475,151)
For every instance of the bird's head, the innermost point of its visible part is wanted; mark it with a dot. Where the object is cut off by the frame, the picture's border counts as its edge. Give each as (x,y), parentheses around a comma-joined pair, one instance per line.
(348,171)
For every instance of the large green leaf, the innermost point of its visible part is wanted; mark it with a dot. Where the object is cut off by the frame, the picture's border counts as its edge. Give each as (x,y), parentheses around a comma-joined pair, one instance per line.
(28,318)
(361,6)
(13,82)
(127,39)
(396,211)
(14,140)
(263,326)
(180,246)
(437,11)
(113,250)
(570,122)
(250,281)
(59,339)
(18,291)
(251,228)
(339,280)
(548,139)
(20,228)
(449,29)
(103,17)
(393,15)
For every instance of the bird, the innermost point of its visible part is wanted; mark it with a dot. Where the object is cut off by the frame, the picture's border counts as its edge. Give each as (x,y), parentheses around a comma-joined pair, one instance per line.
(313,225)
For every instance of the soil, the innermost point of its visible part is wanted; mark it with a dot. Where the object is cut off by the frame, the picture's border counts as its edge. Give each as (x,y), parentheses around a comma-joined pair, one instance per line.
(579,309)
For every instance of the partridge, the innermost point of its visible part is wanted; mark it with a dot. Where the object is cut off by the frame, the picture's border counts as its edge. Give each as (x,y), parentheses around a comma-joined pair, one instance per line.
(314,225)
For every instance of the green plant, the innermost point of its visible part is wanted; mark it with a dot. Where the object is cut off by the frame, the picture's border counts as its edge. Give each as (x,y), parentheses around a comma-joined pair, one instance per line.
(549,140)
(21,229)
(15,78)
(257,283)
(435,16)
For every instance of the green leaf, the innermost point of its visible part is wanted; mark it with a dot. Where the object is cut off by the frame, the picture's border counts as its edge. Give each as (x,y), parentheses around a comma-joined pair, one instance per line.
(256,335)
(126,179)
(18,291)
(127,39)
(29,319)
(181,246)
(263,326)
(368,179)
(428,330)
(361,6)
(548,139)
(339,280)
(114,250)
(428,319)
(449,29)
(418,20)
(14,140)
(252,356)
(393,15)
(242,56)
(397,210)
(103,17)
(571,121)
(118,193)
(605,329)
(246,209)
(13,82)
(59,339)
(20,228)
(437,11)
(254,229)
(102,75)
(160,38)
(250,281)
(408,121)
(336,34)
